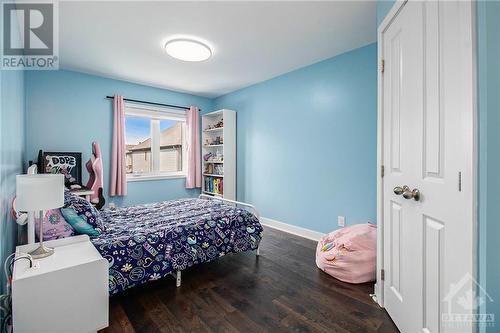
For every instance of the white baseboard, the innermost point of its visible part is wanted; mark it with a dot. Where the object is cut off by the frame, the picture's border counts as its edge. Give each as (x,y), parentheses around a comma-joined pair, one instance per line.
(291,229)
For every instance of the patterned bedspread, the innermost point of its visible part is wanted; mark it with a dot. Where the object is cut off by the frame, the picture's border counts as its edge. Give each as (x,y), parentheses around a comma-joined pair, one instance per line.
(147,242)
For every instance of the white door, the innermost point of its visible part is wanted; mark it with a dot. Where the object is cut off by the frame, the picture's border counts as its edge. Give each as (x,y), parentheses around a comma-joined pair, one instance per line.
(427,145)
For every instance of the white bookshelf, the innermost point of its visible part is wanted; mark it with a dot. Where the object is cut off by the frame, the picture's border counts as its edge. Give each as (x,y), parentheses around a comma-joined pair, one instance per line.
(221,166)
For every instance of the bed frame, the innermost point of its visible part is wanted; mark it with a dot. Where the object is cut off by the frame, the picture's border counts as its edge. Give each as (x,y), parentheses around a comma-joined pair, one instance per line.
(176,274)
(251,208)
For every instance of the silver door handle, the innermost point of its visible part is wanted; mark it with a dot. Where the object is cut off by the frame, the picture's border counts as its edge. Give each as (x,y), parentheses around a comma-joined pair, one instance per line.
(398,190)
(413,194)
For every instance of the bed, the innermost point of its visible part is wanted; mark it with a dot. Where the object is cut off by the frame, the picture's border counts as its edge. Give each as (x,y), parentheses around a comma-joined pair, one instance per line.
(148,242)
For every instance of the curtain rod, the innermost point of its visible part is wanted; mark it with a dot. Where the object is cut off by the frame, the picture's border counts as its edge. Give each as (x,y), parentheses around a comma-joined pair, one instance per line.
(153,103)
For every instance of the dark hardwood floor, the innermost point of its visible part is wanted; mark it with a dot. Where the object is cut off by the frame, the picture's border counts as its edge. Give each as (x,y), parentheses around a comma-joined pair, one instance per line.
(281,291)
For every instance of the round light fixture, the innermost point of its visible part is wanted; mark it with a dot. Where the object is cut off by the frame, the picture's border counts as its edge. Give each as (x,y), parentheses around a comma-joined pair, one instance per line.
(188,50)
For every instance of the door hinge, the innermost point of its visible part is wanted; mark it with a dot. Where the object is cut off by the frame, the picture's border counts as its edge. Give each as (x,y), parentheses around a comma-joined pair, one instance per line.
(460,181)
(382,65)
(382,171)
(382,274)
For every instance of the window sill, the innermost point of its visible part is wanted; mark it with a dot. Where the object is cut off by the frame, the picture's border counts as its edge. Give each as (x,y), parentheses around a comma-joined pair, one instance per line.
(152,177)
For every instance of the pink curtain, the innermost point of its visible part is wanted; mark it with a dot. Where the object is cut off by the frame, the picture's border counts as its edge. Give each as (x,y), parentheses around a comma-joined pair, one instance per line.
(118,172)
(193,148)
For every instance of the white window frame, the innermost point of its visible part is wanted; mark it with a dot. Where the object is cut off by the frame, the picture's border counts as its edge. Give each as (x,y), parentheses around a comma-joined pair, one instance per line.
(155,114)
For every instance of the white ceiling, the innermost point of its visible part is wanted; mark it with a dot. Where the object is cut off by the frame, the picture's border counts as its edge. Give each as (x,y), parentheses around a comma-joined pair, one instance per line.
(251,41)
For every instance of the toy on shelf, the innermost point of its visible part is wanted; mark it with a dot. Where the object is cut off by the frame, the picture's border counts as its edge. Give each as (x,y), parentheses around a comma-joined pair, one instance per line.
(218,157)
(219,140)
(220,124)
(207,156)
(209,168)
(218,169)
(214,169)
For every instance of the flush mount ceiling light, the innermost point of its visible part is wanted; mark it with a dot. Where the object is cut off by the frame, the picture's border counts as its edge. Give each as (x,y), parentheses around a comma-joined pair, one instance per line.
(188,50)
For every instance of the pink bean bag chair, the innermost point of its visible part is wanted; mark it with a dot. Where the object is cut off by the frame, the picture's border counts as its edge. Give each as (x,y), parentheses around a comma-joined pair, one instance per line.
(349,254)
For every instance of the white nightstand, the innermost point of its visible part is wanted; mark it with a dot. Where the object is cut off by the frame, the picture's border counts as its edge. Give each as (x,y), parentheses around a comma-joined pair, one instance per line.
(66,292)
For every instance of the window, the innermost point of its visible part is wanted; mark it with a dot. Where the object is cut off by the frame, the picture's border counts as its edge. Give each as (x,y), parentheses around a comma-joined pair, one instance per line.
(155,142)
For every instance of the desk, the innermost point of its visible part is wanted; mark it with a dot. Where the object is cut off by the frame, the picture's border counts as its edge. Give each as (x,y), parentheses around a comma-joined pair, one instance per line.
(83,193)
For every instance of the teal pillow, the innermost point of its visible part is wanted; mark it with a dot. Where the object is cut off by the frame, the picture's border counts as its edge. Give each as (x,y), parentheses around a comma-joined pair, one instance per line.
(78,223)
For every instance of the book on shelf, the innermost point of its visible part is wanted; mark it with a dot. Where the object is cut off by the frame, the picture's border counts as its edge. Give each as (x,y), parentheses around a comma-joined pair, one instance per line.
(214,185)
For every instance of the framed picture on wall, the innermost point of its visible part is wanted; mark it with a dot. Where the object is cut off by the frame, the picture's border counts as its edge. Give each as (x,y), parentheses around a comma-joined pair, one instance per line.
(67,163)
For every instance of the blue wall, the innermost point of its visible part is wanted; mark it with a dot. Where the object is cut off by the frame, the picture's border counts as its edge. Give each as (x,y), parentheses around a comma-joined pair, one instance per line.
(488,14)
(67,110)
(12,144)
(307,142)
(306,139)
(12,155)
(383,8)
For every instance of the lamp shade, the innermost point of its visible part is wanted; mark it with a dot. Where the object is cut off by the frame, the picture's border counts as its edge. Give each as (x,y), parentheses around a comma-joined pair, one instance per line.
(39,192)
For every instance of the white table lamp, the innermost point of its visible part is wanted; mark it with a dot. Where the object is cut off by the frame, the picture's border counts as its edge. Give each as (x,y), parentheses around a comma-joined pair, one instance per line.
(39,193)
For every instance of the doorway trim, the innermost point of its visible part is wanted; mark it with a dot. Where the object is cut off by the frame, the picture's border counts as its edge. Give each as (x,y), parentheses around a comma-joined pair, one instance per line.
(473,158)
